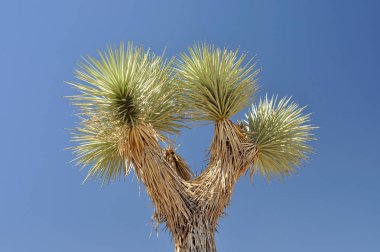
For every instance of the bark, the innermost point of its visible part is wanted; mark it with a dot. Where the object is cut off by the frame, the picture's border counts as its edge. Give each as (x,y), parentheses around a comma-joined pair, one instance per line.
(197,237)
(190,207)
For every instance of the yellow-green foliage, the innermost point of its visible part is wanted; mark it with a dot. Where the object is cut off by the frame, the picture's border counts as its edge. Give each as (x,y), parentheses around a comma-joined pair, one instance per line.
(128,87)
(122,88)
(215,83)
(281,134)
(131,86)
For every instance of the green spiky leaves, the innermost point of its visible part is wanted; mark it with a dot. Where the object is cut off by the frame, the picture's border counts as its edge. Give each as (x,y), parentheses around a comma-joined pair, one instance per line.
(281,133)
(122,88)
(99,140)
(131,86)
(215,83)
(127,88)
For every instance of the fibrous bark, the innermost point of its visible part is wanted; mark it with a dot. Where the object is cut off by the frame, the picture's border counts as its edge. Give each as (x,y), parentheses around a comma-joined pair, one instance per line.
(190,207)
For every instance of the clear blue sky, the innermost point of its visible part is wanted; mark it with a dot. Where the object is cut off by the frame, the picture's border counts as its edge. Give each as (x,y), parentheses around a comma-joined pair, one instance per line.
(325,53)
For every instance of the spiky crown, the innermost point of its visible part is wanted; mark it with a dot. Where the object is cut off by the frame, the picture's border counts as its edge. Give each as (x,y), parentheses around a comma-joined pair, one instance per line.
(126,87)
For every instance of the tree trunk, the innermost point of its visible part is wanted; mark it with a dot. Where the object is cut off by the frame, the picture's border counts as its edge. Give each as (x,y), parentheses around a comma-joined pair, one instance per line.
(189,206)
(196,237)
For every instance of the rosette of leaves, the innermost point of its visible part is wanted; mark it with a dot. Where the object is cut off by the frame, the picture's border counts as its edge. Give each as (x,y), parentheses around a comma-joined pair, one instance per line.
(216,83)
(281,134)
(122,88)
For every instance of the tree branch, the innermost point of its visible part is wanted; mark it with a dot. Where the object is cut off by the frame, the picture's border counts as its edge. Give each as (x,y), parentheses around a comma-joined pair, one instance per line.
(168,180)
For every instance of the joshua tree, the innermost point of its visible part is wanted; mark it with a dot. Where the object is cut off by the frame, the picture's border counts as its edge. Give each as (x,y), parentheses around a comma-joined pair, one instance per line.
(131,101)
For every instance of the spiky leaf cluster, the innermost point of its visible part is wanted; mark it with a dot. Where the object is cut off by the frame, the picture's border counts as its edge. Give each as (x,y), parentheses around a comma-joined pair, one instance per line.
(281,133)
(122,88)
(98,141)
(215,83)
(131,86)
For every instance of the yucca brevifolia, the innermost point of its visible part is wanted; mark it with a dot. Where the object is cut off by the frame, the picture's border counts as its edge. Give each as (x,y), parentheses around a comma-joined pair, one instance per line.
(129,98)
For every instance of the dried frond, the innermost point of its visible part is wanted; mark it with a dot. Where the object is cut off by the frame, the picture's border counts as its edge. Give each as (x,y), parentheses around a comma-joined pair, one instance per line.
(123,88)
(179,164)
(215,83)
(281,134)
